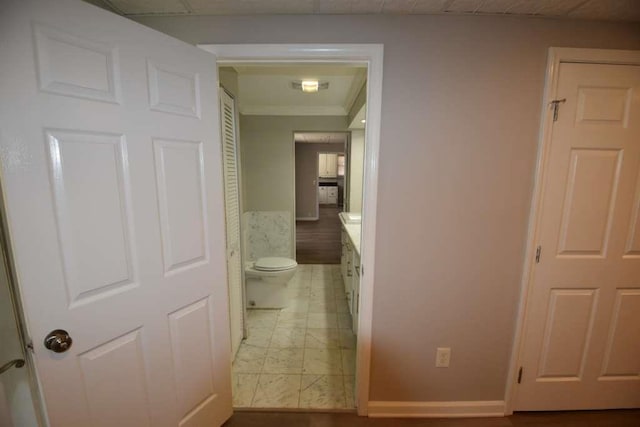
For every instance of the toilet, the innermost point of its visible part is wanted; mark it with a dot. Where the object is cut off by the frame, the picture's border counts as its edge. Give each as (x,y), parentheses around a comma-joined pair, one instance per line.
(266,281)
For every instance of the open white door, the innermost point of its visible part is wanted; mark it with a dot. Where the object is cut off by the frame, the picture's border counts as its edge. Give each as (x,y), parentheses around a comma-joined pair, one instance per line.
(110,152)
(582,342)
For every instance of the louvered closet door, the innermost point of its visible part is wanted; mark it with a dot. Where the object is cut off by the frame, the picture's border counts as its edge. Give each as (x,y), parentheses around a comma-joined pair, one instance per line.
(232,209)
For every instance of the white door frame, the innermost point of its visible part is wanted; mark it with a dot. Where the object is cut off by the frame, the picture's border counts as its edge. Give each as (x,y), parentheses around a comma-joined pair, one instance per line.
(556,56)
(372,55)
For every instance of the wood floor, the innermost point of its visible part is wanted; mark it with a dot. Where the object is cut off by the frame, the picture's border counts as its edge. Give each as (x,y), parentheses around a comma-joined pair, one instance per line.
(621,418)
(318,242)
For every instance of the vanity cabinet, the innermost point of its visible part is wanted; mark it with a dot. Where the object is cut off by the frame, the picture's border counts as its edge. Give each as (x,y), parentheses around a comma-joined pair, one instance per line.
(328,165)
(350,269)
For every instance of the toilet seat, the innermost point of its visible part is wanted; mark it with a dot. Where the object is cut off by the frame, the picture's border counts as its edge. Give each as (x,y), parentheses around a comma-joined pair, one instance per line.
(274,264)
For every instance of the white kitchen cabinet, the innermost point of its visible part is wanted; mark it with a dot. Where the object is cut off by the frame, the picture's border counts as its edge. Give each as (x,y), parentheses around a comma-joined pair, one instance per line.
(328,165)
(327,195)
(332,195)
(322,195)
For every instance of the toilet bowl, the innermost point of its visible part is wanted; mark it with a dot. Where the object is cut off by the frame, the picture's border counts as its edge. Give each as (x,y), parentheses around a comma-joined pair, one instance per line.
(266,281)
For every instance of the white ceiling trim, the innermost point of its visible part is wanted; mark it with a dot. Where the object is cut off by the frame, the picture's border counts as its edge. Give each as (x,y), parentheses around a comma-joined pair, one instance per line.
(273,110)
(617,10)
(358,82)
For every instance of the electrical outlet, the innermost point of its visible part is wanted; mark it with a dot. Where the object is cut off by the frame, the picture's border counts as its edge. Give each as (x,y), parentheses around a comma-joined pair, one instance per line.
(443,357)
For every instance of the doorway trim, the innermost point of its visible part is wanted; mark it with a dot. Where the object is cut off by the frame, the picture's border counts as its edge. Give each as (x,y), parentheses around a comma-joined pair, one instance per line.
(372,55)
(556,56)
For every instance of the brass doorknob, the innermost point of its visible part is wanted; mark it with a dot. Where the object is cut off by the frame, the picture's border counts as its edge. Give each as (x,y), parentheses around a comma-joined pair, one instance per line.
(58,341)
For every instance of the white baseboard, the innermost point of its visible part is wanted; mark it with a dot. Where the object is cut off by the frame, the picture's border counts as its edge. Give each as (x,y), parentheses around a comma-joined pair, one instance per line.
(474,408)
(308,218)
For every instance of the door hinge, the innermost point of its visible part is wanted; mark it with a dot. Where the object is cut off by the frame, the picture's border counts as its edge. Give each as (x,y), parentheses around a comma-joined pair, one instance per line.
(520,375)
(361,270)
(555,105)
(538,252)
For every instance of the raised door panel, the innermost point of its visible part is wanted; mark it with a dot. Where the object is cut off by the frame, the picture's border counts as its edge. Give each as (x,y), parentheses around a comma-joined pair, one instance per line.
(622,358)
(114,378)
(193,362)
(589,202)
(74,66)
(89,172)
(570,315)
(179,171)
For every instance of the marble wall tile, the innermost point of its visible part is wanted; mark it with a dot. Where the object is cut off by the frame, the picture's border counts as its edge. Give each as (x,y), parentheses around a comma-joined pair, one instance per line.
(322,361)
(243,388)
(283,361)
(267,234)
(277,391)
(288,338)
(322,391)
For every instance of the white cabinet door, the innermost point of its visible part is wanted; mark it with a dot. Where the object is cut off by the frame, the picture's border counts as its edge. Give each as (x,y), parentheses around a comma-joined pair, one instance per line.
(581,348)
(111,166)
(332,165)
(322,199)
(332,195)
(322,165)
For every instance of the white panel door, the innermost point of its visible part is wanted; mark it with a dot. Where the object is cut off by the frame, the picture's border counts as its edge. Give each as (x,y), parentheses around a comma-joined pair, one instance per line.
(232,214)
(582,341)
(111,164)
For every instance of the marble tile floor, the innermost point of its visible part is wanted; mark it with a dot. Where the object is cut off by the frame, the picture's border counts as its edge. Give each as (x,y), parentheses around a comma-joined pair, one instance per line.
(302,356)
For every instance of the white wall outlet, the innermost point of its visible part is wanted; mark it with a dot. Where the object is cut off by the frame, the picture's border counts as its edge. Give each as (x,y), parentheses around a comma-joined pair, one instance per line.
(443,357)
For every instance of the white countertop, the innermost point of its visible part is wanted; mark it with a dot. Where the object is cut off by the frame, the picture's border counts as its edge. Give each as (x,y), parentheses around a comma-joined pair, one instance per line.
(353,231)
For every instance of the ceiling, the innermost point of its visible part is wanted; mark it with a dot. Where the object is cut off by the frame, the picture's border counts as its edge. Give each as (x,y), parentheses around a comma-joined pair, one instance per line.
(321,137)
(267,89)
(620,10)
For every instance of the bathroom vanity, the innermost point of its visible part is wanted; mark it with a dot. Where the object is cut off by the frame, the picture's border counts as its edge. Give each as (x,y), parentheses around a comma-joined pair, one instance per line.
(350,262)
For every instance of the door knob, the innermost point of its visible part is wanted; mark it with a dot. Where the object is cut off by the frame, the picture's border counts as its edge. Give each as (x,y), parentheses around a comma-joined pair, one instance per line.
(58,341)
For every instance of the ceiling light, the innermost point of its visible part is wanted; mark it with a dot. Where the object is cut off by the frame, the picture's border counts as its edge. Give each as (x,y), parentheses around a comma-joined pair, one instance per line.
(363,121)
(310,85)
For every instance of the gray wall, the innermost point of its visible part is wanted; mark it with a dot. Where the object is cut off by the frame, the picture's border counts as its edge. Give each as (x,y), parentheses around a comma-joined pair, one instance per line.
(307,176)
(461,106)
(267,158)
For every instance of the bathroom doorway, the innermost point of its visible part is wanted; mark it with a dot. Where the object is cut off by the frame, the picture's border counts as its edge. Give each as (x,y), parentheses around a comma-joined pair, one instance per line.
(297,348)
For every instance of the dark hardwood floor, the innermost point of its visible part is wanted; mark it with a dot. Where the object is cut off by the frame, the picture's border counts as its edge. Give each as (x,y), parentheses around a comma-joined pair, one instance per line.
(620,418)
(318,242)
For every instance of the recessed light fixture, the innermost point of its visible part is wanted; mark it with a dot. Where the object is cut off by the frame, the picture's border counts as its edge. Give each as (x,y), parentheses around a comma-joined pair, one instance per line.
(363,121)
(310,86)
